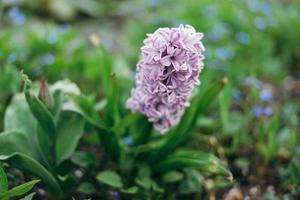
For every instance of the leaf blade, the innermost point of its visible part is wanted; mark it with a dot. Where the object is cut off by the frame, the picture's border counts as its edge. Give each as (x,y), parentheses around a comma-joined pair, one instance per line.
(3,181)
(20,189)
(110,178)
(69,131)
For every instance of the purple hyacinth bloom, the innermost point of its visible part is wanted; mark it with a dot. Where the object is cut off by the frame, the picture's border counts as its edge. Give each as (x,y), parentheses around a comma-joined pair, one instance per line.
(172,59)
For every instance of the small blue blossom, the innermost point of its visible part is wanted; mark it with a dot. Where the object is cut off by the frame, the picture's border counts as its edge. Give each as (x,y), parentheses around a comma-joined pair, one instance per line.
(116,194)
(218,32)
(127,140)
(214,37)
(224,53)
(266,95)
(16,16)
(258,111)
(266,8)
(260,23)
(210,11)
(268,111)
(157,20)
(216,64)
(64,28)
(11,58)
(48,59)
(52,37)
(243,37)
(155,2)
(250,81)
(237,95)
(253,5)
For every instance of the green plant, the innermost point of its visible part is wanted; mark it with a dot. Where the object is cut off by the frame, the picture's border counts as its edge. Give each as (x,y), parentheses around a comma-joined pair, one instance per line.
(38,137)
(19,190)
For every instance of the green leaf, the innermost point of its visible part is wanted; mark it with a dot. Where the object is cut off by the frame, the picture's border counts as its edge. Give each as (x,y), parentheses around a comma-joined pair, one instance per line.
(199,104)
(58,100)
(205,162)
(110,143)
(16,141)
(110,178)
(39,110)
(29,197)
(189,187)
(108,137)
(131,190)
(83,159)
(69,131)
(106,66)
(156,188)
(126,121)
(20,190)
(3,181)
(42,114)
(192,183)
(86,188)
(143,131)
(112,111)
(9,80)
(87,109)
(18,116)
(28,164)
(172,177)
(144,182)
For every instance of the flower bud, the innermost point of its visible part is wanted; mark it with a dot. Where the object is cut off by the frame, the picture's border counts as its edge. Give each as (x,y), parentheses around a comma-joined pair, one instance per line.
(44,94)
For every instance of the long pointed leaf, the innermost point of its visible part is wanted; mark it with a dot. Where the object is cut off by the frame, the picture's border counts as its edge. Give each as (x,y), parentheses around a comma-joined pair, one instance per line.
(20,189)
(205,162)
(69,129)
(39,110)
(3,181)
(26,163)
(112,111)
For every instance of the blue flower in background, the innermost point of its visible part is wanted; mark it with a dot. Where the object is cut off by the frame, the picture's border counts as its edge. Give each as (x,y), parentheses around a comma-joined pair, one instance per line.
(52,37)
(128,140)
(48,59)
(237,95)
(260,23)
(210,11)
(216,64)
(218,32)
(266,8)
(253,5)
(225,53)
(11,58)
(243,37)
(250,81)
(116,194)
(16,16)
(268,111)
(64,28)
(258,111)
(214,37)
(155,2)
(266,95)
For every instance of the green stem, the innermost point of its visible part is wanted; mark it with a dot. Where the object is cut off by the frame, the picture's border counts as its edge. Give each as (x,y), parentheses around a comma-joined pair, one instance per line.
(1,12)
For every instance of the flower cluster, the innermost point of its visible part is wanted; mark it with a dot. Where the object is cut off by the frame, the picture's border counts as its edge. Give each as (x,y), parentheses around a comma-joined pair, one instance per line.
(172,59)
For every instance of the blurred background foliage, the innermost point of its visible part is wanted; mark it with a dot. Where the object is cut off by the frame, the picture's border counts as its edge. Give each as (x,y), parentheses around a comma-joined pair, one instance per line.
(254,125)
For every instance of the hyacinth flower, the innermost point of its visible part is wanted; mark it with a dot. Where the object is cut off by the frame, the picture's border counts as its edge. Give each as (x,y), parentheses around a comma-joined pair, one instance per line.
(172,59)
